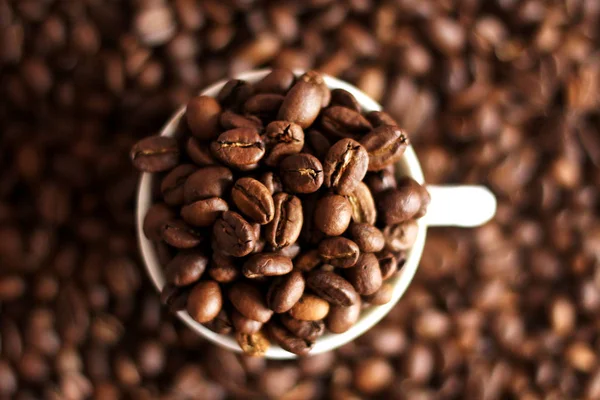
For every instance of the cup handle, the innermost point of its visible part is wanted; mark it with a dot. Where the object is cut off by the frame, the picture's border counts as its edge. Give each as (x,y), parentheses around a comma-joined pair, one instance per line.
(463,206)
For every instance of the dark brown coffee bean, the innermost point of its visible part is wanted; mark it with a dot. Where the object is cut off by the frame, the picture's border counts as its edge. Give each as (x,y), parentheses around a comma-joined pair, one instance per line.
(244,325)
(332,215)
(233,235)
(199,153)
(339,252)
(345,166)
(368,238)
(285,292)
(307,260)
(282,139)
(309,330)
(240,147)
(365,276)
(316,144)
(301,173)
(264,105)
(332,287)
(207,182)
(380,181)
(266,264)
(388,264)
(204,213)
(287,341)
(223,269)
(157,215)
(180,235)
(340,318)
(380,118)
(382,296)
(385,146)
(400,204)
(302,103)
(155,154)
(290,251)
(254,345)
(271,182)
(286,225)
(310,308)
(221,324)
(401,236)
(316,78)
(174,297)
(171,186)
(279,81)
(249,301)
(186,268)
(231,120)
(202,115)
(234,94)
(253,199)
(363,205)
(343,98)
(340,122)
(205,301)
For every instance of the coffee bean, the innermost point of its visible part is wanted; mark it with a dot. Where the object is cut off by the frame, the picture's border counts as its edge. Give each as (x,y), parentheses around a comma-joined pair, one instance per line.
(341,122)
(171,186)
(385,145)
(204,213)
(285,292)
(302,103)
(243,324)
(286,225)
(223,269)
(373,375)
(345,166)
(249,301)
(221,324)
(309,330)
(401,236)
(279,81)
(207,182)
(332,215)
(365,276)
(401,204)
(180,235)
(255,344)
(332,287)
(316,78)
(310,308)
(233,235)
(388,264)
(316,144)
(271,182)
(186,268)
(368,238)
(264,105)
(380,118)
(234,94)
(363,205)
(155,154)
(343,98)
(202,115)
(382,296)
(266,264)
(302,173)
(231,120)
(282,139)
(205,301)
(158,214)
(240,147)
(290,251)
(380,181)
(253,199)
(199,153)
(287,341)
(341,318)
(174,297)
(307,261)
(339,252)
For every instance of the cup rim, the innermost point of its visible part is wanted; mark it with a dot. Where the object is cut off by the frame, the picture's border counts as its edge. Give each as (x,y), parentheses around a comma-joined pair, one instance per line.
(407,166)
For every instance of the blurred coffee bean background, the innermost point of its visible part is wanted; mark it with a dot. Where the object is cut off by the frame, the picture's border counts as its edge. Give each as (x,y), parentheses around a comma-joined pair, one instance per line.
(496,92)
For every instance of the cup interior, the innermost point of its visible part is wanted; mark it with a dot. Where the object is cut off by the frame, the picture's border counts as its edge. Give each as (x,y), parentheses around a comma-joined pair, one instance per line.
(407,166)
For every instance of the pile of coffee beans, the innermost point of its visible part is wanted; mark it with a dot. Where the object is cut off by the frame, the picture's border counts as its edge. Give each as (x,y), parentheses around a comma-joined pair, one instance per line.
(264,228)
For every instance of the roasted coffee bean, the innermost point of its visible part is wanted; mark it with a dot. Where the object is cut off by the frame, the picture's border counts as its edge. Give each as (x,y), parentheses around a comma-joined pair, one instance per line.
(223,269)
(368,238)
(199,153)
(309,330)
(287,341)
(316,144)
(266,264)
(279,81)
(332,215)
(204,213)
(180,235)
(380,181)
(382,296)
(264,105)
(307,261)
(401,236)
(385,145)
(341,97)
(339,252)
(235,93)
(345,166)
(310,308)
(301,173)
(316,78)
(157,215)
(186,268)
(240,147)
(245,325)
(207,182)
(363,205)
(202,115)
(155,154)
(341,122)
(282,139)
(174,297)
(249,301)
(332,287)
(231,120)
(205,301)
(221,324)
(255,345)
(388,264)
(171,186)
(380,118)
(285,292)
(290,251)
(271,182)
(302,103)
(253,199)
(286,225)
(365,276)
(401,204)
(341,318)
(233,235)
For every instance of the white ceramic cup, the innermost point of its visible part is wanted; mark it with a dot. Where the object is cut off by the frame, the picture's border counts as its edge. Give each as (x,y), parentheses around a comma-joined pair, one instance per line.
(463,206)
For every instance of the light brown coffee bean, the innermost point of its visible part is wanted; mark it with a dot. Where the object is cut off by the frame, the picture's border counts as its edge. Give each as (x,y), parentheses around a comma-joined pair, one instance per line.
(365,276)
(340,318)
(363,205)
(310,308)
(205,301)
(381,296)
(302,104)
(332,215)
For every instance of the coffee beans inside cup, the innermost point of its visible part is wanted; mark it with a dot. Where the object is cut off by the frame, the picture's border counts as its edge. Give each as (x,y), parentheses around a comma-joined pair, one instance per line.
(274,210)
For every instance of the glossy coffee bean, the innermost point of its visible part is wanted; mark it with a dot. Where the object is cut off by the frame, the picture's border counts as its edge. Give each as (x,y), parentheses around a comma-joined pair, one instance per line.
(310,308)
(264,105)
(223,268)
(234,94)
(316,144)
(282,139)
(345,166)
(199,153)
(301,173)
(186,268)
(286,225)
(157,215)
(249,301)
(204,213)
(340,122)
(339,252)
(240,147)
(180,235)
(332,288)
(271,182)
(155,154)
(365,276)
(385,145)
(379,118)
(279,80)
(171,186)
(266,264)
(207,182)
(253,345)
(400,204)
(363,205)
(340,318)
(388,264)
(205,301)
(244,325)
(308,260)
(309,330)
(401,236)
(382,296)
(316,78)
(287,341)
(202,115)
(285,292)
(302,103)
(343,98)
(233,235)
(332,215)
(380,181)
(254,200)
(231,120)
(368,238)
(290,251)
